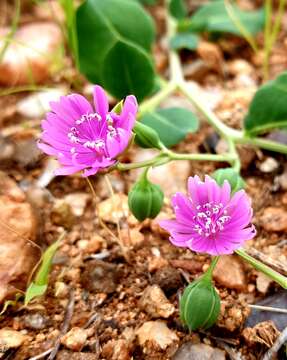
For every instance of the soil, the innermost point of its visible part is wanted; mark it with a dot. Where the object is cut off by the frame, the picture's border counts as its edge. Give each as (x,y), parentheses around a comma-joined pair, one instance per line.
(99,276)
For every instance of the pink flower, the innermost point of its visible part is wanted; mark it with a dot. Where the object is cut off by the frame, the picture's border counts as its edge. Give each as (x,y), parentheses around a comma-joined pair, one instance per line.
(210,220)
(84,138)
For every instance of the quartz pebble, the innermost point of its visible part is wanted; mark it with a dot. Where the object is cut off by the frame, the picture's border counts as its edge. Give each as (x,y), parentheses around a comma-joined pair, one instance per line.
(75,339)
(156,332)
(10,339)
(190,351)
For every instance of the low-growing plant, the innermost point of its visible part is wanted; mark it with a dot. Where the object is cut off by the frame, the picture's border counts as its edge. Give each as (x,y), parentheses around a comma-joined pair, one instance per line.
(215,218)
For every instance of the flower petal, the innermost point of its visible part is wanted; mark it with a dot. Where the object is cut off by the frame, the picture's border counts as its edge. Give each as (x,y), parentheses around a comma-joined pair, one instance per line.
(101,101)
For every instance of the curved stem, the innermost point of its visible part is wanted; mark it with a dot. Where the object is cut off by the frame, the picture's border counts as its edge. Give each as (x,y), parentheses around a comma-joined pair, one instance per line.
(202,157)
(267,38)
(167,156)
(155,100)
(224,130)
(209,272)
(261,142)
(258,265)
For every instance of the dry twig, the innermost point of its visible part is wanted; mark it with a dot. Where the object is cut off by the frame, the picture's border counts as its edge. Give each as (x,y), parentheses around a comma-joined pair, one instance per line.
(272,352)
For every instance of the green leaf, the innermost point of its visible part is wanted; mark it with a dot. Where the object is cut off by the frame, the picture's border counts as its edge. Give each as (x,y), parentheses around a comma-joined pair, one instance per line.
(235,180)
(39,285)
(172,124)
(178,9)
(41,277)
(34,291)
(128,70)
(268,108)
(213,17)
(148,2)
(184,41)
(111,28)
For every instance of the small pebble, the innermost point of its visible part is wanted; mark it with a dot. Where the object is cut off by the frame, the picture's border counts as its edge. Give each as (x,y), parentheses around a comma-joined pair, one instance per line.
(155,303)
(75,339)
(157,332)
(35,321)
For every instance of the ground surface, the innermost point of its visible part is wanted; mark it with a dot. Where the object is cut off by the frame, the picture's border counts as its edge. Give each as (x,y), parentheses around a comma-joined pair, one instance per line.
(113,291)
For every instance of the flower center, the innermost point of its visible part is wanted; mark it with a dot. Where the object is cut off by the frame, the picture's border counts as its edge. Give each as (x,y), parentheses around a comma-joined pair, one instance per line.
(90,132)
(210,219)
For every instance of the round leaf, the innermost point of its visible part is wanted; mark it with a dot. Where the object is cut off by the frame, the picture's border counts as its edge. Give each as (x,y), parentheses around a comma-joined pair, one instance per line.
(268,109)
(101,26)
(213,17)
(128,70)
(172,124)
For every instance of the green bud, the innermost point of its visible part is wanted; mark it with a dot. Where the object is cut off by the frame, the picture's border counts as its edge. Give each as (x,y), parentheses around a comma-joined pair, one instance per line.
(146,137)
(145,199)
(199,304)
(235,180)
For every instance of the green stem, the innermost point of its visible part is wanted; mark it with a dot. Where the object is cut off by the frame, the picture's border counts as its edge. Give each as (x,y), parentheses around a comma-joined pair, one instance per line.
(209,272)
(278,21)
(167,156)
(258,265)
(240,26)
(239,138)
(224,130)
(202,157)
(159,159)
(155,100)
(267,38)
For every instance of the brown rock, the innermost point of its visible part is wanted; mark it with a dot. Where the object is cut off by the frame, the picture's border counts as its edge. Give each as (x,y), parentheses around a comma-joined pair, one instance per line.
(155,303)
(156,263)
(192,266)
(17,227)
(69,355)
(229,272)
(100,276)
(62,214)
(10,339)
(211,55)
(168,279)
(116,350)
(75,339)
(156,332)
(132,237)
(32,54)
(274,219)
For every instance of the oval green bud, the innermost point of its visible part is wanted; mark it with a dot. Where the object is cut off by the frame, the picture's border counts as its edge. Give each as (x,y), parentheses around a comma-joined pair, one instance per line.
(235,180)
(146,137)
(199,305)
(145,199)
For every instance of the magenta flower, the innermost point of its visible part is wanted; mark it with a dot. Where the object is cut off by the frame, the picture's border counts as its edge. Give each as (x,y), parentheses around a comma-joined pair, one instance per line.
(210,220)
(84,138)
